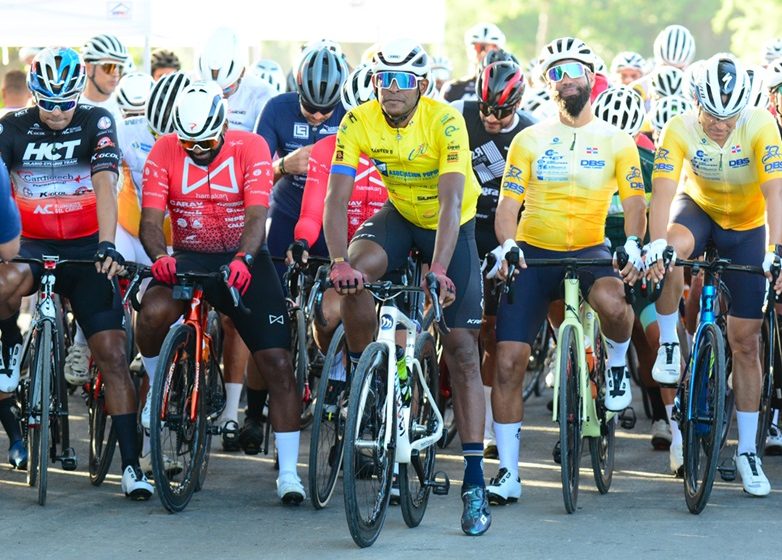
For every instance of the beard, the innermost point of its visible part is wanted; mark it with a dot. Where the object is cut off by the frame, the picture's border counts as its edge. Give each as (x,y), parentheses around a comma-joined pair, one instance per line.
(574,104)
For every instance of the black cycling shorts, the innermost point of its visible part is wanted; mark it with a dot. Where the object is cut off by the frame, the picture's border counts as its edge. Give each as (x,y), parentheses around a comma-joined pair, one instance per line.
(536,287)
(747,291)
(397,237)
(96,306)
(266,326)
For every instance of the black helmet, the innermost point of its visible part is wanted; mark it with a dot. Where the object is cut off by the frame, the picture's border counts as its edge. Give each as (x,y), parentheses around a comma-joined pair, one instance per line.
(497,55)
(500,84)
(164,59)
(319,79)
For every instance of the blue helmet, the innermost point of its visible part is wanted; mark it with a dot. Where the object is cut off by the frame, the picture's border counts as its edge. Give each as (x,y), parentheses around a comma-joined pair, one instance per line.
(57,73)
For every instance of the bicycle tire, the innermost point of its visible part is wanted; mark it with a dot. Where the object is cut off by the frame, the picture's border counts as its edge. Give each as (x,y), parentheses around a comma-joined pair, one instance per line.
(299,355)
(41,436)
(327,441)
(602,447)
(214,399)
(705,386)
(103,438)
(769,347)
(569,415)
(415,476)
(173,435)
(368,473)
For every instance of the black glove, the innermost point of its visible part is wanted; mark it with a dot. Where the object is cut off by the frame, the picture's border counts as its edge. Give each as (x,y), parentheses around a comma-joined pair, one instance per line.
(297,249)
(106,249)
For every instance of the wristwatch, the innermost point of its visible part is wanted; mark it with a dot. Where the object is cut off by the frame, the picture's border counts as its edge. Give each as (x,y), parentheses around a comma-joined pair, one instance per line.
(247,258)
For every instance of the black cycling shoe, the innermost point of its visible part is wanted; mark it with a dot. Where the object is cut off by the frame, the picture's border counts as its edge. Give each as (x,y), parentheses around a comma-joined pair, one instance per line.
(230,436)
(251,436)
(476,517)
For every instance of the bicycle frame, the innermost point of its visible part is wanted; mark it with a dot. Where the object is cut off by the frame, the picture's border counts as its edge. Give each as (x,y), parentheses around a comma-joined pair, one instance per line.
(707,317)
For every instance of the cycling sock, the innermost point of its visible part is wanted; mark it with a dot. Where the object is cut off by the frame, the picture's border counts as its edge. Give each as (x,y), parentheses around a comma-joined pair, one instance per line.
(79,338)
(233,392)
(256,398)
(488,423)
(508,442)
(617,352)
(775,418)
(10,335)
(473,464)
(354,358)
(125,427)
(747,423)
(145,446)
(667,324)
(9,421)
(150,366)
(287,450)
(337,371)
(658,407)
(676,434)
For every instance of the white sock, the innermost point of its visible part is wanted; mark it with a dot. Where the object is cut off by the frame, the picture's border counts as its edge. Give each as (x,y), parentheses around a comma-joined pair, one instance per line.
(508,444)
(287,451)
(667,324)
(488,424)
(676,434)
(337,371)
(617,352)
(775,418)
(233,392)
(150,365)
(747,423)
(79,338)
(145,447)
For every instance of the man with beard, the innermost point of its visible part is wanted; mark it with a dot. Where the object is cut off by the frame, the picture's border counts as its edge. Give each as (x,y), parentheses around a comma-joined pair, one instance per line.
(565,171)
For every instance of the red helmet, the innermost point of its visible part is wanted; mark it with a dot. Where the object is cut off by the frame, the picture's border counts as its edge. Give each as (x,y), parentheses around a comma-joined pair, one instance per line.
(500,84)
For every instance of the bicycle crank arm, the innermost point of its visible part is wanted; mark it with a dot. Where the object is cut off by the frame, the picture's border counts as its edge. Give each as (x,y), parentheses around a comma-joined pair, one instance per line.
(727,469)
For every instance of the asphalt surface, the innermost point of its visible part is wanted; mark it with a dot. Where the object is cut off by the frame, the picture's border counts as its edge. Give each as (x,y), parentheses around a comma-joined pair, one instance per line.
(237,515)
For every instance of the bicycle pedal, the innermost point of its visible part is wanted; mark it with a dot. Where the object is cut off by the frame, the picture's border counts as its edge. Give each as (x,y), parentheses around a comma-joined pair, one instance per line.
(440,488)
(68,460)
(627,418)
(727,469)
(557,454)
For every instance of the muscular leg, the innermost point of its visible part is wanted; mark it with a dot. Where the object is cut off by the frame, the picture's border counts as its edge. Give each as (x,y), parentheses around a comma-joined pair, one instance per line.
(744,339)
(331,313)
(358,310)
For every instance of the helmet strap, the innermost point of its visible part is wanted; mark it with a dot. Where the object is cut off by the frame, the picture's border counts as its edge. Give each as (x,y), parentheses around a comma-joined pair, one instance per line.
(91,77)
(396,121)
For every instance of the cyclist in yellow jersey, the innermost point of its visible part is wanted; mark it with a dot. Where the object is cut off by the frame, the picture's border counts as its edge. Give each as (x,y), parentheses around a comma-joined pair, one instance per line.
(565,170)
(731,155)
(421,149)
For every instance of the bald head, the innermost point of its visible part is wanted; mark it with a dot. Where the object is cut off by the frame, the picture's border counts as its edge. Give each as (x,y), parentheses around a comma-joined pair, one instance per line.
(14,90)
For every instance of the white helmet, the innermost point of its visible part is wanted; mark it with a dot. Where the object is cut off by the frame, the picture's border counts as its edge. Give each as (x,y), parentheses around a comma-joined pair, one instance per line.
(667,80)
(723,76)
(357,89)
(666,108)
(675,46)
(622,107)
(160,106)
(691,79)
(758,92)
(270,72)
(222,59)
(133,91)
(627,59)
(773,50)
(441,68)
(404,55)
(566,48)
(318,44)
(774,75)
(200,111)
(538,102)
(484,33)
(105,47)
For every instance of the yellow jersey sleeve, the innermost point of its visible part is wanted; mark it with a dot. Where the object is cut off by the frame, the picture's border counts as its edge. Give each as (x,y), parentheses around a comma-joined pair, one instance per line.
(517,170)
(627,167)
(350,138)
(766,147)
(669,157)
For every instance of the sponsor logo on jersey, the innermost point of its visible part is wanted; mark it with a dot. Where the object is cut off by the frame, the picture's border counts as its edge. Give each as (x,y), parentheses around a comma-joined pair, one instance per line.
(513,172)
(104,123)
(663,167)
(105,142)
(52,151)
(736,163)
(592,163)
(772,152)
(71,130)
(452,157)
(419,151)
(735,149)
(661,154)
(591,150)
(450,130)
(222,178)
(513,187)
(301,130)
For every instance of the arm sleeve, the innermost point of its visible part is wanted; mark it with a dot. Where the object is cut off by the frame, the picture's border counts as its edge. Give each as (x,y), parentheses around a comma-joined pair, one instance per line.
(258,174)
(154,187)
(455,154)
(105,145)
(517,171)
(10,225)
(669,157)
(348,150)
(627,169)
(265,126)
(766,149)
(311,217)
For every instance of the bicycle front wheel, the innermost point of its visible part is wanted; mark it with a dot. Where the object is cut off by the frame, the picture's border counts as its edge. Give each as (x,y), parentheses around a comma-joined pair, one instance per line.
(768,351)
(704,413)
(299,349)
(177,435)
(569,413)
(368,465)
(601,448)
(415,476)
(38,427)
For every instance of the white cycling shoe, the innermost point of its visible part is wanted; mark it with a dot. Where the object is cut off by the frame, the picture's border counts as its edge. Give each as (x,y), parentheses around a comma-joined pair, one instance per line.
(667,367)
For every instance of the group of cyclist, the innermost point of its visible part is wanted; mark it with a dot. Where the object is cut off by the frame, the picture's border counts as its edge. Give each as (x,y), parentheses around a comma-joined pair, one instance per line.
(220,167)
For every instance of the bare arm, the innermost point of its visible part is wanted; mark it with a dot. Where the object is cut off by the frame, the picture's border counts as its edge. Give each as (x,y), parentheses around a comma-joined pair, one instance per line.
(9,249)
(151,232)
(450,191)
(335,214)
(254,229)
(105,185)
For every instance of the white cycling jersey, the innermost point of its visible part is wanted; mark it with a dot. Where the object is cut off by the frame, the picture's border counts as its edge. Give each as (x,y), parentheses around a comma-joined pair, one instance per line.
(246,104)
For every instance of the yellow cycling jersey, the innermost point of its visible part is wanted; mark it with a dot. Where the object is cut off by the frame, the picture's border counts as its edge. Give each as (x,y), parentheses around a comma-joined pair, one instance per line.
(410,159)
(723,180)
(566,178)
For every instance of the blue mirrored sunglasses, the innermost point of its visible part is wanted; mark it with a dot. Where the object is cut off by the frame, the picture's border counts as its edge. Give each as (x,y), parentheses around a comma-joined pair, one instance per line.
(50,105)
(404,80)
(572,69)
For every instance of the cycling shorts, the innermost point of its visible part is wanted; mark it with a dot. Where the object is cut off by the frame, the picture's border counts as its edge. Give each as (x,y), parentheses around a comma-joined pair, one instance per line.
(96,306)
(741,247)
(397,237)
(536,287)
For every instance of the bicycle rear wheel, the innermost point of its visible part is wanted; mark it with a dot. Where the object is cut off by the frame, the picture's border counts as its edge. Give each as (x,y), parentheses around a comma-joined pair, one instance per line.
(103,438)
(569,413)
(768,350)
(703,420)
(175,435)
(368,465)
(327,442)
(415,476)
(601,448)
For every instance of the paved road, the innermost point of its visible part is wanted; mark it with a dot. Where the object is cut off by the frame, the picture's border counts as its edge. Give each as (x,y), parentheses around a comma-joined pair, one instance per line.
(237,515)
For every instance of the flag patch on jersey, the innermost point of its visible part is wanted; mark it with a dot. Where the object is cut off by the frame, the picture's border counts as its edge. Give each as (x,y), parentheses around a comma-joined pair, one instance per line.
(591,151)
(735,149)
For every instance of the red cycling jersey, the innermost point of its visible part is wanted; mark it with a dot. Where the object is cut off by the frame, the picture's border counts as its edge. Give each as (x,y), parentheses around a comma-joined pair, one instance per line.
(369,192)
(207,204)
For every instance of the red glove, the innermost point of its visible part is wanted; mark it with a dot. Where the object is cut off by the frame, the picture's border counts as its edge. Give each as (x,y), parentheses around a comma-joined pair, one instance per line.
(344,277)
(447,289)
(164,269)
(239,276)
